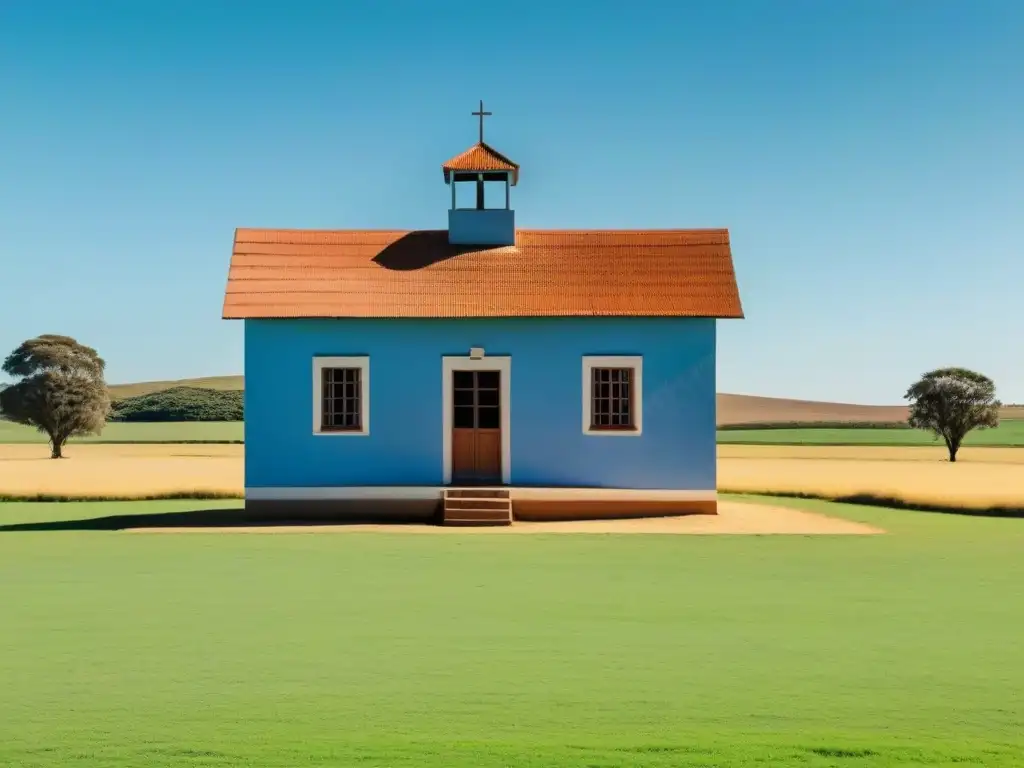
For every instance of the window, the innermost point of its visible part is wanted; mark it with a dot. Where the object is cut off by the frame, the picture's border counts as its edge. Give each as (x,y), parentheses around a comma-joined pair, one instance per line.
(342,409)
(611,391)
(341,390)
(476,398)
(612,395)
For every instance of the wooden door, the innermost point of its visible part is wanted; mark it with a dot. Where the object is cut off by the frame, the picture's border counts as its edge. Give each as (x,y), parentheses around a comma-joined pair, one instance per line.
(476,427)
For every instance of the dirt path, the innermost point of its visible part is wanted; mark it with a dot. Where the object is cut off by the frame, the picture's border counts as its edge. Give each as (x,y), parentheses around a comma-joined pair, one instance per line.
(732,518)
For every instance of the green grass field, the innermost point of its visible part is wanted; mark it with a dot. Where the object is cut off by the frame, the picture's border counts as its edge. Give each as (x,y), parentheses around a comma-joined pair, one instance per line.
(131,649)
(138,432)
(1008,433)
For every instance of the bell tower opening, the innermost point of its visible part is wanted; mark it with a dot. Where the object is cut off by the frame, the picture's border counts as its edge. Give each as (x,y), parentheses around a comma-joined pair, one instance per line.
(481,179)
(480,191)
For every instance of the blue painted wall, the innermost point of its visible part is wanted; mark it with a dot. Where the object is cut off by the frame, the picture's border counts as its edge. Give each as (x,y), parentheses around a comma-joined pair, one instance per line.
(676,449)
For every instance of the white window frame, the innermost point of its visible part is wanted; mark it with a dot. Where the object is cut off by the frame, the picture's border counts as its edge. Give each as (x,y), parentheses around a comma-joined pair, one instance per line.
(363,364)
(636,362)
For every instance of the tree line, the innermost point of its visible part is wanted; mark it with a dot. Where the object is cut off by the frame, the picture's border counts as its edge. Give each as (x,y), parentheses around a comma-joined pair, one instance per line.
(59,388)
(180,404)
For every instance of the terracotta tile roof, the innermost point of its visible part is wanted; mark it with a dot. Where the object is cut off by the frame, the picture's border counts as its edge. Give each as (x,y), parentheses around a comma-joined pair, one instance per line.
(352,273)
(481,157)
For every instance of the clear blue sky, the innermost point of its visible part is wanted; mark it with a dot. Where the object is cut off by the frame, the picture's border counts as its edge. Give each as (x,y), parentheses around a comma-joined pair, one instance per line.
(868,158)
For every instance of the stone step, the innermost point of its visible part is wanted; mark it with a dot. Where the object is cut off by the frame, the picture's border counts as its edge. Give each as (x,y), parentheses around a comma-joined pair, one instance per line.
(477,506)
(477,514)
(463,502)
(476,493)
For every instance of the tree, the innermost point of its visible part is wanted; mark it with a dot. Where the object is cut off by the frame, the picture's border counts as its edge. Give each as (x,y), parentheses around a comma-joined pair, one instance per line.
(59,389)
(951,402)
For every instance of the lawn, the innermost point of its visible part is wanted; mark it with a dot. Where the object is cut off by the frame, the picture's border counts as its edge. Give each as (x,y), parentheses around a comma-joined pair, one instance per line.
(138,432)
(1008,433)
(127,649)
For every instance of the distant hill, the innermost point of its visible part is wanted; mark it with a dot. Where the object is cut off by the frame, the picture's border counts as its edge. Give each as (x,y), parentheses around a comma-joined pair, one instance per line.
(751,409)
(732,409)
(121,391)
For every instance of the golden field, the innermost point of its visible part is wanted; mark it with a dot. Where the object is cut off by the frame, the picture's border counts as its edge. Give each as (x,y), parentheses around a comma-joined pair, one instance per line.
(982,477)
(121,470)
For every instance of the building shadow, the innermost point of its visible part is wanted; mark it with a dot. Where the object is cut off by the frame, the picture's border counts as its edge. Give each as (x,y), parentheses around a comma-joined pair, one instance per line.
(199,518)
(422,248)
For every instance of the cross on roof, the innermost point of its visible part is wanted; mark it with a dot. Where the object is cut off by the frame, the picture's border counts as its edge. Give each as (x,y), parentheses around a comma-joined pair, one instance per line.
(481,115)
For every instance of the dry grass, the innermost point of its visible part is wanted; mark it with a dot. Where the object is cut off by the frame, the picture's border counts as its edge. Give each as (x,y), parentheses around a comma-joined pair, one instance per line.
(122,470)
(983,477)
(876,453)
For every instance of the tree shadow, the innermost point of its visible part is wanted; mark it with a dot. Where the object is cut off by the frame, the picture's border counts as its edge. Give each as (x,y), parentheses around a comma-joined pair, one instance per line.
(422,248)
(236,517)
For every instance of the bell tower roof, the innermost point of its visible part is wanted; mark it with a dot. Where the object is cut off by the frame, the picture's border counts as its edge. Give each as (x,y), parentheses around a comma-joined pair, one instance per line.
(480,158)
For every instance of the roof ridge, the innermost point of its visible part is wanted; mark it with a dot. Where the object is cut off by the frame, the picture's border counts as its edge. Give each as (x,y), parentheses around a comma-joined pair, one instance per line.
(316,231)
(637,231)
(540,230)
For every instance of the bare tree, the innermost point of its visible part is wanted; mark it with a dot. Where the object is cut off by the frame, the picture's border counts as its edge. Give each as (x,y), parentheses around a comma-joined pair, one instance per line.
(951,402)
(59,389)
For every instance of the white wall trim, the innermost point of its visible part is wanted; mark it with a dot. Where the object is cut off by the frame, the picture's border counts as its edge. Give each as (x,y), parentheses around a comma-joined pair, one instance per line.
(396,492)
(450,364)
(636,362)
(361,362)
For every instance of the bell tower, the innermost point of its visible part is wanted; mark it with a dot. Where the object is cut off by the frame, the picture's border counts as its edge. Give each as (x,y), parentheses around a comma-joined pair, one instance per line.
(481,165)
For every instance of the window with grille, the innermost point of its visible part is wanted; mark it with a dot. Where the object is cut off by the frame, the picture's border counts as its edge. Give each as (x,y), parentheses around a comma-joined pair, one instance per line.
(612,395)
(342,407)
(340,395)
